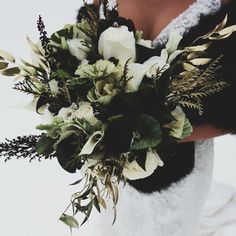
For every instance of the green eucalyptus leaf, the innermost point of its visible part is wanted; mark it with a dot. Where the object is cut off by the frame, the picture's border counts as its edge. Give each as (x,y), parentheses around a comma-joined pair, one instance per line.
(45,145)
(69,220)
(11,71)
(148,133)
(3,65)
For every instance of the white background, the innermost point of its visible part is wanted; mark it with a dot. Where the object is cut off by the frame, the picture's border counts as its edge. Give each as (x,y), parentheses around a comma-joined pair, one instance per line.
(33,195)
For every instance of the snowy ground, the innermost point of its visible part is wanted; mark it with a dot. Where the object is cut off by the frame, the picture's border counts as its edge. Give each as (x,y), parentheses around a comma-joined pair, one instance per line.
(33,195)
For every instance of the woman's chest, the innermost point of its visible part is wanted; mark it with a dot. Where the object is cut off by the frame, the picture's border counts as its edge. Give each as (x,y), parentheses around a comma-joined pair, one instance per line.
(152,17)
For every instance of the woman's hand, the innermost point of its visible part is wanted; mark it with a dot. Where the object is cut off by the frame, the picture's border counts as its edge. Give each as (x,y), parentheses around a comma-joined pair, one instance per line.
(204,131)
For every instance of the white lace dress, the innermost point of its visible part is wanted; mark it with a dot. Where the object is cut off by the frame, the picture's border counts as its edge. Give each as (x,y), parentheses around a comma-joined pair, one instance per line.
(174,211)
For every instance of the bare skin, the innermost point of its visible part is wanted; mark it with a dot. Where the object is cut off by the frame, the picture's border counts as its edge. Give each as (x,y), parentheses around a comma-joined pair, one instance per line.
(151,16)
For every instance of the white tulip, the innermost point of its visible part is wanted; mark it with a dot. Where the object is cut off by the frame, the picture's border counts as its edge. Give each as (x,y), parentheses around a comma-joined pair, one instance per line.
(134,171)
(173,42)
(78,48)
(117,42)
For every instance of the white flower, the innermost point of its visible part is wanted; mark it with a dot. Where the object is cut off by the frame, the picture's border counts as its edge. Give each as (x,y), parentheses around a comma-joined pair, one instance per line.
(173,42)
(137,71)
(67,113)
(53,84)
(134,171)
(146,43)
(84,111)
(159,63)
(117,42)
(78,48)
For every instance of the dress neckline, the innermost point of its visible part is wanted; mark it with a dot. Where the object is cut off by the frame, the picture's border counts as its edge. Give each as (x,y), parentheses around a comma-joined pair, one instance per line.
(189,18)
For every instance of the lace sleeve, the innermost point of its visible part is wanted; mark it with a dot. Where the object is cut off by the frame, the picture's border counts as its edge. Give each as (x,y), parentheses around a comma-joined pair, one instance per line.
(188,19)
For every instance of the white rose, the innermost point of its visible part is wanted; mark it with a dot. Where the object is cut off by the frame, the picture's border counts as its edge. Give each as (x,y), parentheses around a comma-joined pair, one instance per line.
(117,42)
(134,171)
(77,48)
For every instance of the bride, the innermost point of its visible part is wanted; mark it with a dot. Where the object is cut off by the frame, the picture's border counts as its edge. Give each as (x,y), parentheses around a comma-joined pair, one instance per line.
(170,202)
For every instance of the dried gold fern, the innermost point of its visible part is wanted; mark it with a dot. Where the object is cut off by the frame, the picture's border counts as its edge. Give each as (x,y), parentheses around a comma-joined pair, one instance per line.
(188,88)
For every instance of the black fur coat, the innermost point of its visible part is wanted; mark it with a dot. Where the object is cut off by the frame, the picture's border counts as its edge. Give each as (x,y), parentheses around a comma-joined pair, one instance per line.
(219,109)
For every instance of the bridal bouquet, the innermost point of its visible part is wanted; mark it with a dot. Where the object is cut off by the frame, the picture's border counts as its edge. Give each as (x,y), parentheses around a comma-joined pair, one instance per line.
(114,103)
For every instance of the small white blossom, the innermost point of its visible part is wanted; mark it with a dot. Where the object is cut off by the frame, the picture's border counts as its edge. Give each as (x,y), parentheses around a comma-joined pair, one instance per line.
(78,48)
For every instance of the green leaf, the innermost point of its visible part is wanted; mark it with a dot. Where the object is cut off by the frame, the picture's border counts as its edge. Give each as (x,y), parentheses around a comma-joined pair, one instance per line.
(3,65)
(66,152)
(96,204)
(148,133)
(76,182)
(11,71)
(7,56)
(69,220)
(45,145)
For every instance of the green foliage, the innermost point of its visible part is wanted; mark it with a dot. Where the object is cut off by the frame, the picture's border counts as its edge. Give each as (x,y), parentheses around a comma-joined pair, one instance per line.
(148,133)
(53,129)
(44,145)
(69,220)
(67,151)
